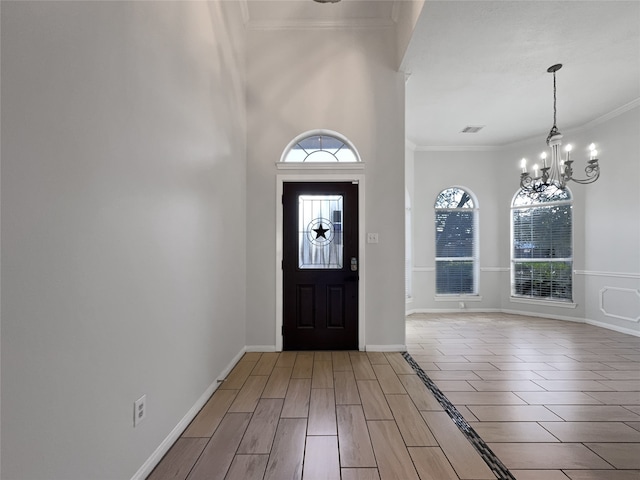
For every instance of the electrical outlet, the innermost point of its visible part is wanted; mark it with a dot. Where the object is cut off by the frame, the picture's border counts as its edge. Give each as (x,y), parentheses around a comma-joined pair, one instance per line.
(372,238)
(139,410)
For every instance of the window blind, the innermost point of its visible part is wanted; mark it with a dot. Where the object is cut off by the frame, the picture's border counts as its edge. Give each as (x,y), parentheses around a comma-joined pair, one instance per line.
(542,256)
(455,231)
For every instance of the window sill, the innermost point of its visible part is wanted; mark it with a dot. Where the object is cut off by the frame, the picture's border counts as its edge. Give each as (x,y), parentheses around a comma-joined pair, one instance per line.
(457,298)
(546,303)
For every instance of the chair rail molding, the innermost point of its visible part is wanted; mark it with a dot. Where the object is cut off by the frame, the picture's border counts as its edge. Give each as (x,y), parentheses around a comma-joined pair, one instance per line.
(595,273)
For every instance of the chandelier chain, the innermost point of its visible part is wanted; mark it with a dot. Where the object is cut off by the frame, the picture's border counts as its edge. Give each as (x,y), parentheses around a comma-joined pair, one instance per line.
(555,111)
(554,129)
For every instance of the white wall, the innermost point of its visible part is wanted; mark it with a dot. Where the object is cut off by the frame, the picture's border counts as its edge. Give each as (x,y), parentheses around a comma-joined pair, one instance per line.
(612,225)
(342,80)
(123,227)
(606,223)
(433,172)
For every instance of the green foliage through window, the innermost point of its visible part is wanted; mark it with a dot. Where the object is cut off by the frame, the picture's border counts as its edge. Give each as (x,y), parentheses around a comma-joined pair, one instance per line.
(455,218)
(542,253)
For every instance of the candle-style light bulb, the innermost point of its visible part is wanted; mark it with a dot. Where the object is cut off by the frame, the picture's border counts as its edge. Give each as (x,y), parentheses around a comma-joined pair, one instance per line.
(568,149)
(535,170)
(523,165)
(594,154)
(543,156)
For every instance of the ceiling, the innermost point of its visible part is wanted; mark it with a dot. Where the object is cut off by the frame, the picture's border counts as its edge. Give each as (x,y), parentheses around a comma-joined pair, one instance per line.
(483,63)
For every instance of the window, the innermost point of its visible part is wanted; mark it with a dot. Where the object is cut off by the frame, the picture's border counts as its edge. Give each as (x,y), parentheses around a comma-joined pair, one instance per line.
(456,245)
(320,236)
(408,263)
(320,146)
(541,253)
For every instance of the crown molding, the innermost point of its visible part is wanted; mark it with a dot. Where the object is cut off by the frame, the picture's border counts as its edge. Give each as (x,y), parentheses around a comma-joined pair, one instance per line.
(496,148)
(458,148)
(596,121)
(611,115)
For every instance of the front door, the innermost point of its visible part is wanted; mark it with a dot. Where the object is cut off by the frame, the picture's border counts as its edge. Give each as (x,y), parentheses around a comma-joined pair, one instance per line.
(320,266)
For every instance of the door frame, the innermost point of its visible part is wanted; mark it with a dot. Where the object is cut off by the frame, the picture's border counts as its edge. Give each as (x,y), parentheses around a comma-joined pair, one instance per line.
(314,178)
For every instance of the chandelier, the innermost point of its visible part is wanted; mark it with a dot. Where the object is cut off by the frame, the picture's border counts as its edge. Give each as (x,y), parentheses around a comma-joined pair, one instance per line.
(559,170)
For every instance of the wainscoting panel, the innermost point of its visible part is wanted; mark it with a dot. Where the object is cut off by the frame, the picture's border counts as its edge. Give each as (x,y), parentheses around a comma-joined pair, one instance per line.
(622,303)
(612,300)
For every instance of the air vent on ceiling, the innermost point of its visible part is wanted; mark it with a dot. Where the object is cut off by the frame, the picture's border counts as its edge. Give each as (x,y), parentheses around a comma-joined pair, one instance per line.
(472,129)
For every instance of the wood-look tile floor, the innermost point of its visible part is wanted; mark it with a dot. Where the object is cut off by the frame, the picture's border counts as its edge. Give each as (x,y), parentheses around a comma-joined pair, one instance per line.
(553,400)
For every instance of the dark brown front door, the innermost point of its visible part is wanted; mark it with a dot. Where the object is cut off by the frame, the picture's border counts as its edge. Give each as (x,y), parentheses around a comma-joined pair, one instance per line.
(320,266)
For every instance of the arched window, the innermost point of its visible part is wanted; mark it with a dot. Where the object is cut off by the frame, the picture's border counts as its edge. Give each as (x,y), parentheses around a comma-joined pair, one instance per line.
(320,146)
(456,242)
(542,245)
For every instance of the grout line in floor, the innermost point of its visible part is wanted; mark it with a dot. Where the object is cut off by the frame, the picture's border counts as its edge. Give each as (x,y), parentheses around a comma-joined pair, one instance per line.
(490,458)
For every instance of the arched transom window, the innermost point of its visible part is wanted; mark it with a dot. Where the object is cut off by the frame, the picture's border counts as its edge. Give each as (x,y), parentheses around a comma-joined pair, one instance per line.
(320,147)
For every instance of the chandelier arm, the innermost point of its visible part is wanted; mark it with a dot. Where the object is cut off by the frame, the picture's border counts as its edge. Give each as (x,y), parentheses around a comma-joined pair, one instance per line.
(592,170)
(532,186)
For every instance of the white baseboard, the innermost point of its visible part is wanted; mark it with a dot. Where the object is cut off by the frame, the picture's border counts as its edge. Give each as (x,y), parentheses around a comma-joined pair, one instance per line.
(148,466)
(615,328)
(495,310)
(453,310)
(544,315)
(385,348)
(260,348)
(595,323)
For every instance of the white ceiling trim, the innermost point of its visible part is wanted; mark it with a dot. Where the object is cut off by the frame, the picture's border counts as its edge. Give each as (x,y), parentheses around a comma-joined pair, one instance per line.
(306,24)
(494,148)
(593,123)
(608,116)
(458,148)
